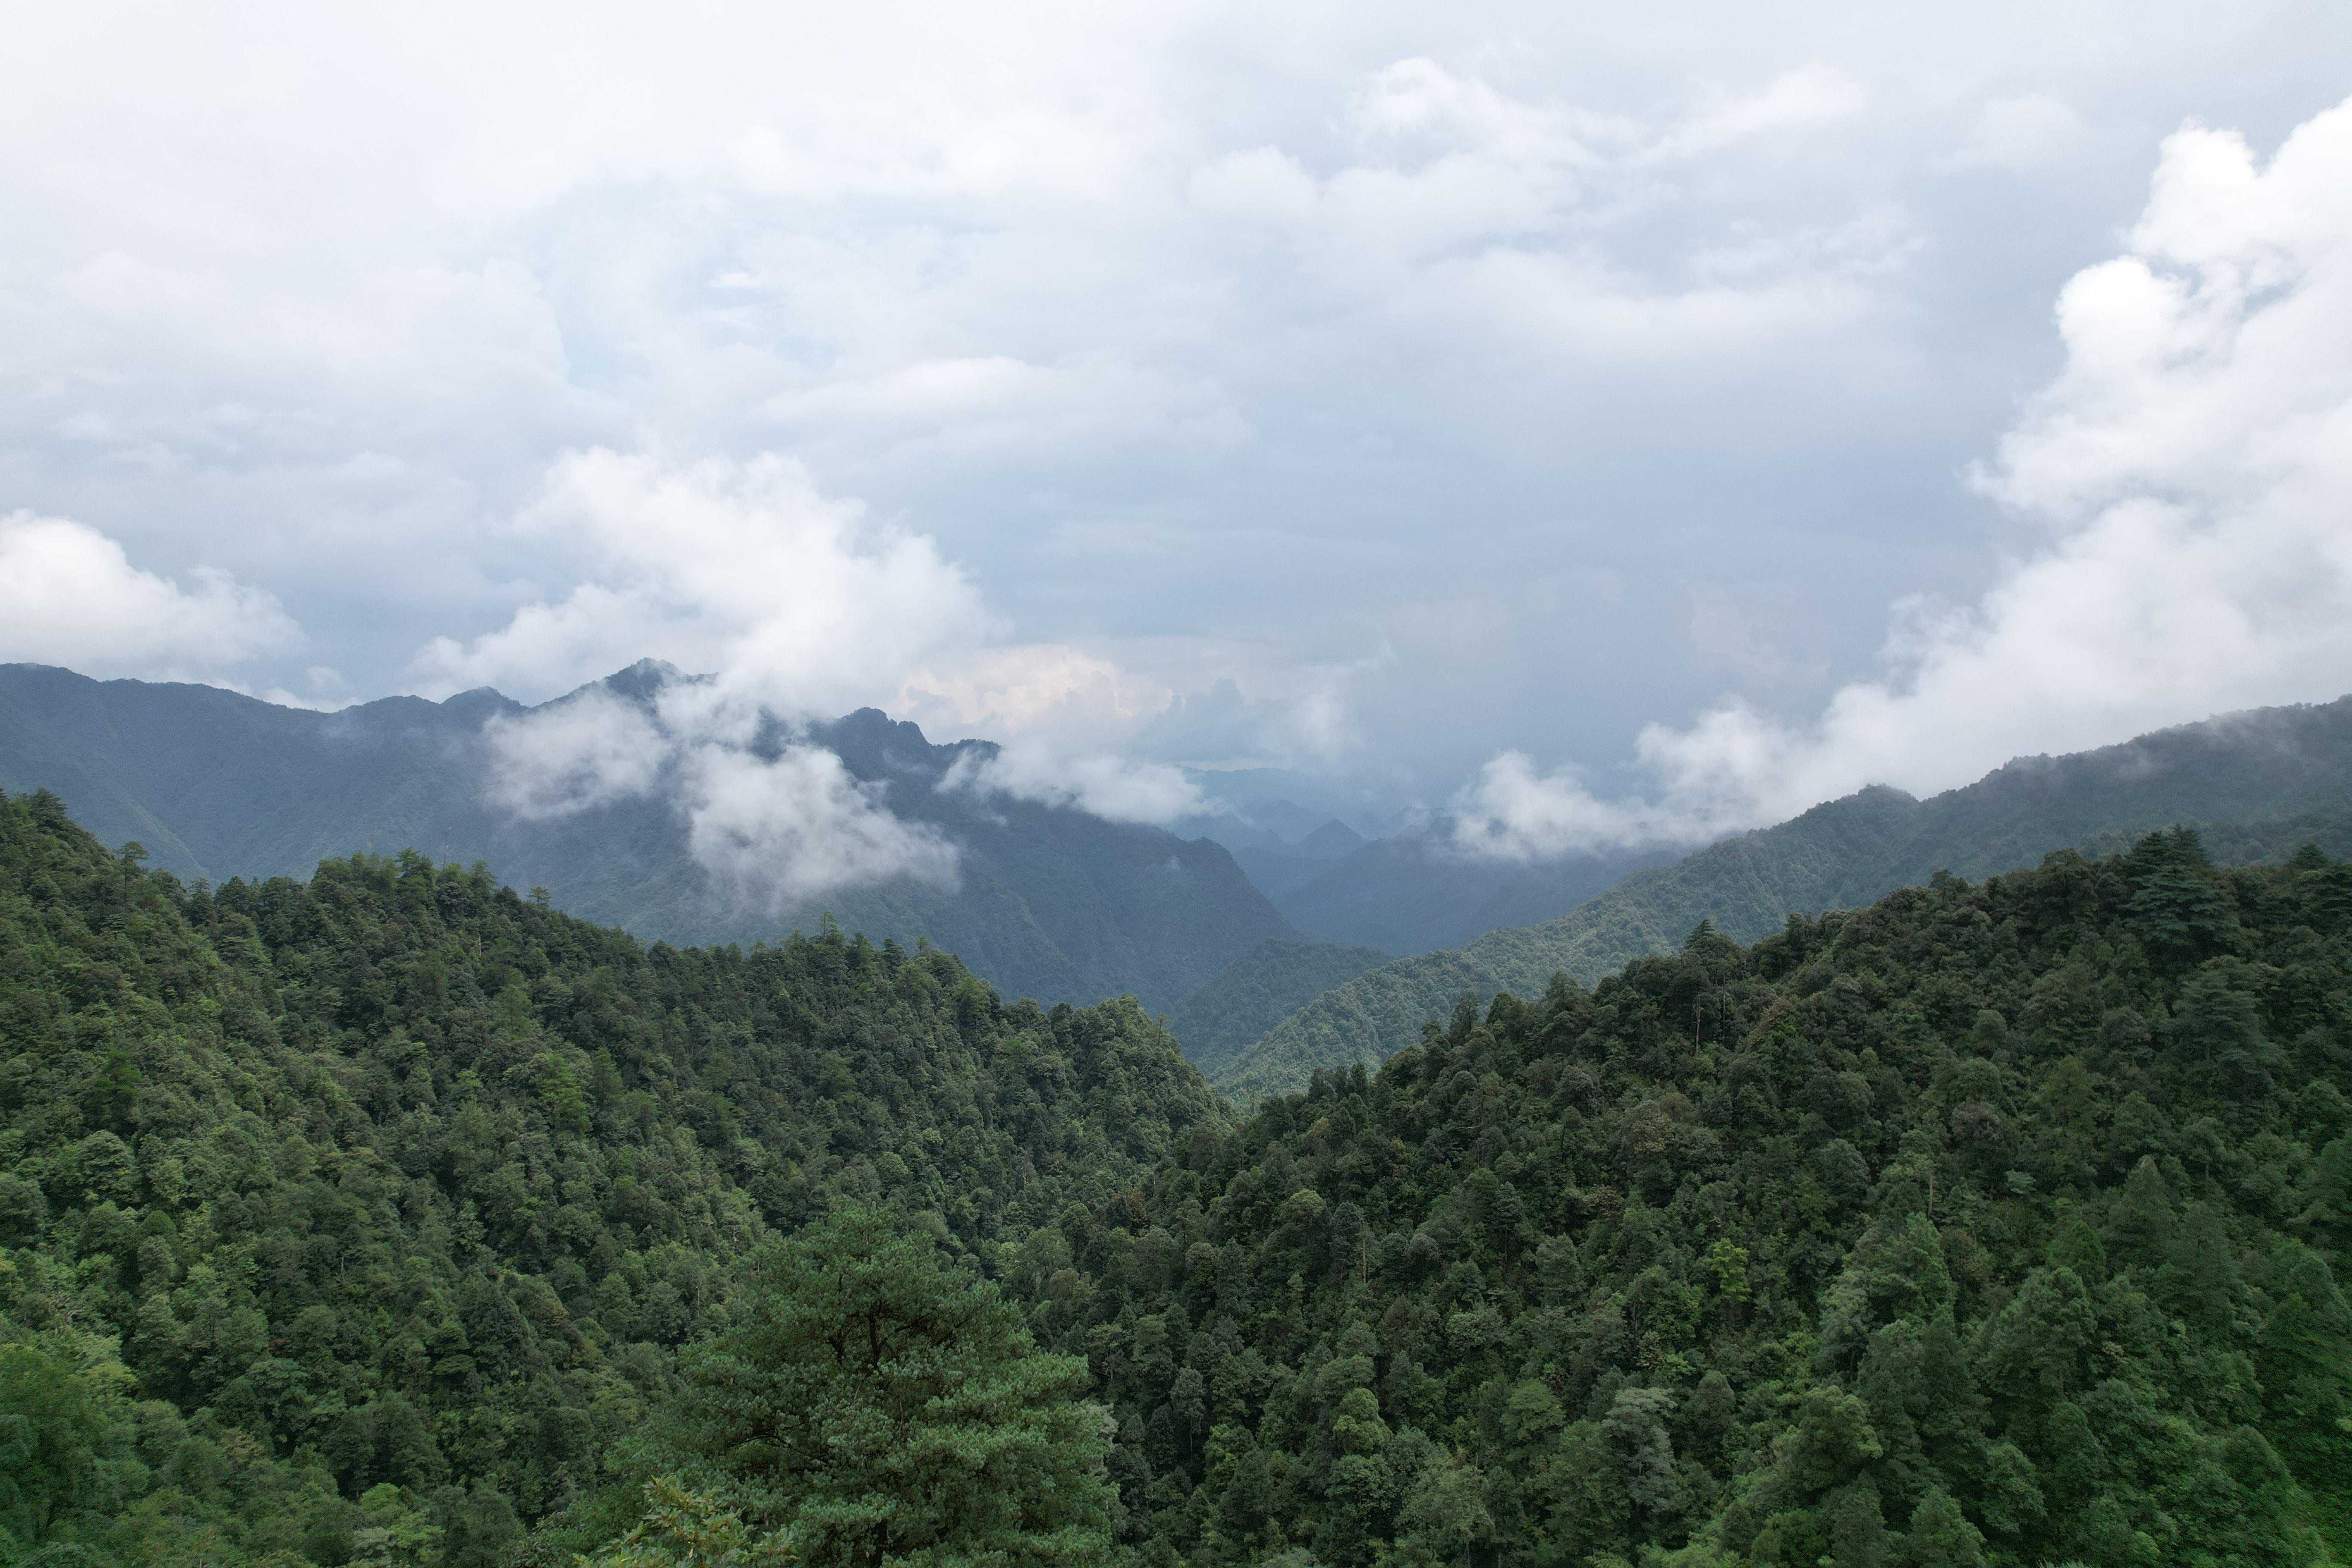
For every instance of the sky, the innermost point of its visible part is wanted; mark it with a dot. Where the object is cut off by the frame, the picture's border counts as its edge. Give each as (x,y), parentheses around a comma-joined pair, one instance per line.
(1579,425)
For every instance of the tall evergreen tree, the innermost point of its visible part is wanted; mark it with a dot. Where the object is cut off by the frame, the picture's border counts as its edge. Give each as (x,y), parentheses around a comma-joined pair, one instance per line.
(878,1405)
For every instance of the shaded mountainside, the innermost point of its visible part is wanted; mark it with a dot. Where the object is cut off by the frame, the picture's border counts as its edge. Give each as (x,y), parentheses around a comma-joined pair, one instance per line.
(1053,903)
(1257,991)
(1415,895)
(2289,768)
(1993,1225)
(356,1219)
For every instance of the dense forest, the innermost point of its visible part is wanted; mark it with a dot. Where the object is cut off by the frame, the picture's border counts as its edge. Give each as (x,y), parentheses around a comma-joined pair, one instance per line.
(1996,1223)
(357,1218)
(2259,786)
(1258,990)
(394,1218)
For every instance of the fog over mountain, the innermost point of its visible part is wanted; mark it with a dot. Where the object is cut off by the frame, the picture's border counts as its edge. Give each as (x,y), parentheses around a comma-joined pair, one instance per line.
(612,805)
(1589,433)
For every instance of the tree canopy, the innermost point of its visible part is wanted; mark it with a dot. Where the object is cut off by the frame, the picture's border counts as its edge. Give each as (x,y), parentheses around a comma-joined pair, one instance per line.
(876,1404)
(392,1218)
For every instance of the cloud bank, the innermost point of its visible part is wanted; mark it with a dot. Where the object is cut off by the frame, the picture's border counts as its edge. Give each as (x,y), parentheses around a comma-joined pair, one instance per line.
(1117,789)
(801,604)
(2191,469)
(69,595)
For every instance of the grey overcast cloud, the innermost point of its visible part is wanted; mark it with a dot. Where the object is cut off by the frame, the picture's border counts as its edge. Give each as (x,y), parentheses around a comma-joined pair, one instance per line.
(1600,424)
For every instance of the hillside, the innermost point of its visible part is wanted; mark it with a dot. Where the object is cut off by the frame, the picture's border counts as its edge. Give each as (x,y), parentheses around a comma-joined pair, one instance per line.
(1994,1224)
(2290,768)
(1257,991)
(1053,903)
(356,1219)
(364,1220)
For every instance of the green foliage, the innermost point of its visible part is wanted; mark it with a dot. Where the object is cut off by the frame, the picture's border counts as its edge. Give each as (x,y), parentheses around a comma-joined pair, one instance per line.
(877,1405)
(680,1529)
(1994,1224)
(357,1220)
(1257,991)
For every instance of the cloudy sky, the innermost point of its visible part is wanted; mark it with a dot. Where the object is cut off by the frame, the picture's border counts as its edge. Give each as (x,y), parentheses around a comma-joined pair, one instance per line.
(1609,422)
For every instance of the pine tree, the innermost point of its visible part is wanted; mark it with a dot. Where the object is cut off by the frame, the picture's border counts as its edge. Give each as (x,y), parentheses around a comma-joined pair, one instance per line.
(877,1405)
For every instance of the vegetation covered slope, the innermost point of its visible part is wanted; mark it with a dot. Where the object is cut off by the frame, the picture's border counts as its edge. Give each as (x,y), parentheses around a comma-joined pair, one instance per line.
(1052,902)
(354,1219)
(1257,991)
(1992,1224)
(2287,769)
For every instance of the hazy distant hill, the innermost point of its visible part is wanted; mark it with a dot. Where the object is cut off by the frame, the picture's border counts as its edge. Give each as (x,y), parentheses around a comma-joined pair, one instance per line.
(1053,903)
(1412,895)
(2261,782)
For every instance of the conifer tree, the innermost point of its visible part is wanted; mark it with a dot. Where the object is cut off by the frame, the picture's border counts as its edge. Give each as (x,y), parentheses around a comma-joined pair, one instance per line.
(877,1405)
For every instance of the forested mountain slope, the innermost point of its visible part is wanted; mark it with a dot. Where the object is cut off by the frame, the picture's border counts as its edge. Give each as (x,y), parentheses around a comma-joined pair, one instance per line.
(2261,784)
(355,1219)
(1412,895)
(1052,902)
(1993,1223)
(1257,991)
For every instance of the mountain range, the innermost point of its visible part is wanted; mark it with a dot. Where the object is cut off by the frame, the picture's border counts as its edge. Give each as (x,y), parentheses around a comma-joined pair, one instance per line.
(1267,931)
(1049,901)
(2261,783)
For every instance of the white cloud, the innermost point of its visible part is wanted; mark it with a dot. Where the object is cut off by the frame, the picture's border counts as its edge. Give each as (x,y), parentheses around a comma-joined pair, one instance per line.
(798,603)
(69,595)
(775,829)
(2193,465)
(799,826)
(1054,687)
(588,750)
(1510,811)
(1114,788)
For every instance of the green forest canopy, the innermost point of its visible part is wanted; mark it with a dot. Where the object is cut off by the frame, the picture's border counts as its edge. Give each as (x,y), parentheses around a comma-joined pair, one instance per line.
(380,1219)
(373,1209)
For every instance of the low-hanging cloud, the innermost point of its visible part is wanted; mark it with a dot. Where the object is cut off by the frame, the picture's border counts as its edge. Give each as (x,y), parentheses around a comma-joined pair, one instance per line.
(69,595)
(589,750)
(777,828)
(798,825)
(791,607)
(1117,789)
(789,602)
(2192,464)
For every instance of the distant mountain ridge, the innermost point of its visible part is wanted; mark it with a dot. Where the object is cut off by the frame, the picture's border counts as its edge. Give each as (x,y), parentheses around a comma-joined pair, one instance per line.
(1410,895)
(1053,903)
(2261,782)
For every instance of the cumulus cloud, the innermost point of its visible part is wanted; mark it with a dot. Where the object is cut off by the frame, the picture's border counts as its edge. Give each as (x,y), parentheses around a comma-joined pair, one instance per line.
(2192,466)
(1117,789)
(69,595)
(799,602)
